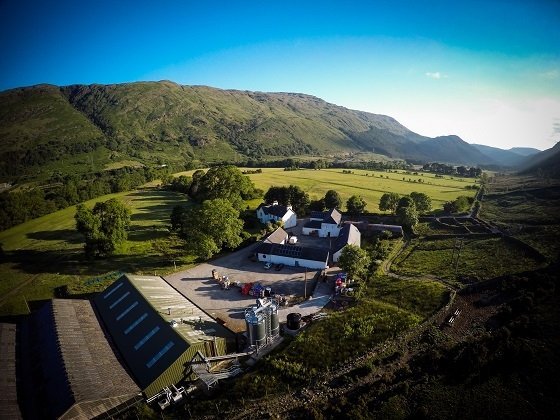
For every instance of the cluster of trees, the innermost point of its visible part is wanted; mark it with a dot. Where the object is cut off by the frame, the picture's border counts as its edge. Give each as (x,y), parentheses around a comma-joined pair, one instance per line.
(442,168)
(324,164)
(459,205)
(293,195)
(104,227)
(407,208)
(213,221)
(392,201)
(299,199)
(225,181)
(62,191)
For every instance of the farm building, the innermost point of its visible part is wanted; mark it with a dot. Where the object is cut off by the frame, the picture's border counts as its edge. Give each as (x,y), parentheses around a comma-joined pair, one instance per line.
(349,235)
(323,224)
(279,236)
(9,408)
(275,212)
(295,256)
(91,358)
(71,365)
(157,330)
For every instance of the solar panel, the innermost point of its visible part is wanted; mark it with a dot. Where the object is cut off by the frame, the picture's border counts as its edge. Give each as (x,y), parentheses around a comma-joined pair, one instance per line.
(110,292)
(288,250)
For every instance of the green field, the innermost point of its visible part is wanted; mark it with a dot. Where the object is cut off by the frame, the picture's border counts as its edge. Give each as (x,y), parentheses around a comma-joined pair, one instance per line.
(480,258)
(47,252)
(371,185)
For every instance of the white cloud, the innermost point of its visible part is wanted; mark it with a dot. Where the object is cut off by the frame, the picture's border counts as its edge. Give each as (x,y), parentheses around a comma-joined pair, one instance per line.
(436,75)
(550,75)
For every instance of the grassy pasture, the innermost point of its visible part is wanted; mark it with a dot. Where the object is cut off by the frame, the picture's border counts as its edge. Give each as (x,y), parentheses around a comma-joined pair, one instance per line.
(371,185)
(47,252)
(483,258)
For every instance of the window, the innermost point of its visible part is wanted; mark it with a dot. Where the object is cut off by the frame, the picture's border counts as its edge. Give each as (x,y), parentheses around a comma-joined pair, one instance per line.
(158,355)
(119,300)
(135,323)
(146,338)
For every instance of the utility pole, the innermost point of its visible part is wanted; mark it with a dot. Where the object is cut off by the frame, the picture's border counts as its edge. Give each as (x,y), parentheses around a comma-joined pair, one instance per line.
(305,285)
(457,253)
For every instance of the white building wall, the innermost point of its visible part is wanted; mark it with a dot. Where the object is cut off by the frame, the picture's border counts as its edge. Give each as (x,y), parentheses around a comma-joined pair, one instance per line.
(336,255)
(309,231)
(278,259)
(289,219)
(327,229)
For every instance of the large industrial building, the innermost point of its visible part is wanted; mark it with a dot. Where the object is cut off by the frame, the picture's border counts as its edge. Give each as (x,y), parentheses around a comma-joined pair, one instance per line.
(84,359)
(157,330)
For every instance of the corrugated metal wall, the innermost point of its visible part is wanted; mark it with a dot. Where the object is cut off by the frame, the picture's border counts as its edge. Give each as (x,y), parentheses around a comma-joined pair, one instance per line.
(180,368)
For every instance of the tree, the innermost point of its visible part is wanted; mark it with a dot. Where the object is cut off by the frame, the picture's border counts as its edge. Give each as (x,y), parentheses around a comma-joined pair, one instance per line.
(405,201)
(209,227)
(355,205)
(354,261)
(407,216)
(104,227)
(292,195)
(332,199)
(225,182)
(389,202)
(422,202)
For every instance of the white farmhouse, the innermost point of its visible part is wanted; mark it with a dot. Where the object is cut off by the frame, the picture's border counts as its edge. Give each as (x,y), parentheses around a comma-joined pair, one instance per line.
(323,224)
(275,212)
(349,235)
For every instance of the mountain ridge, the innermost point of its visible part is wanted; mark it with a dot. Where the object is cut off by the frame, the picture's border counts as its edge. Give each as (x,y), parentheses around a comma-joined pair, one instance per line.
(168,122)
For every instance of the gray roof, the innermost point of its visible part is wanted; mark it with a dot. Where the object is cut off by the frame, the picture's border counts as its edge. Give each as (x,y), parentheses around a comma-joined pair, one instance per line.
(278,236)
(349,234)
(295,251)
(9,408)
(313,224)
(319,215)
(81,372)
(274,209)
(332,217)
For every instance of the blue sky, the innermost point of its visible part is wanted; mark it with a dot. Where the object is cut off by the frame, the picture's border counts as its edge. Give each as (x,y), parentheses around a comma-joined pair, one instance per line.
(488,71)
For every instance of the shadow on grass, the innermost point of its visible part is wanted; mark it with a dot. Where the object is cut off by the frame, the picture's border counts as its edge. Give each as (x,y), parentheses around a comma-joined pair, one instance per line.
(70,236)
(147,233)
(75,263)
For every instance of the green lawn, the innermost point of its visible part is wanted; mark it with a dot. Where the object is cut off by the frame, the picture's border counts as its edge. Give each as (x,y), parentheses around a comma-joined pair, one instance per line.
(482,258)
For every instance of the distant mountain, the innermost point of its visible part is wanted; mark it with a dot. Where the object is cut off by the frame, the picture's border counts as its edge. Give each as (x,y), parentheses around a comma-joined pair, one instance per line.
(47,128)
(546,163)
(509,158)
(525,151)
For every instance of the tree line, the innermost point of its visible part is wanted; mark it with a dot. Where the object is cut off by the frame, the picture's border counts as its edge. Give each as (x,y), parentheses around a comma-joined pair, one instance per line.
(62,191)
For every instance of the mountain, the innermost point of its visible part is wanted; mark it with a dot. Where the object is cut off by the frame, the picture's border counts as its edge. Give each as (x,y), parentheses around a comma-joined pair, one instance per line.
(545,163)
(510,158)
(72,128)
(525,151)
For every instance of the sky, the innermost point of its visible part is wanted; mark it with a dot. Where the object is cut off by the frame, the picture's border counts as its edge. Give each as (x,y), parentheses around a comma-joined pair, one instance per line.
(488,71)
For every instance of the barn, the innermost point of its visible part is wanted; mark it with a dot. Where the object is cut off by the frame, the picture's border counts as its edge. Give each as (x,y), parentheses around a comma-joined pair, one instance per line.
(294,255)
(157,330)
(349,235)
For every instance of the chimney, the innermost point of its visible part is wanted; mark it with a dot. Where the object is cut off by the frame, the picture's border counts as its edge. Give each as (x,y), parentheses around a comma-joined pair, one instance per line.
(275,203)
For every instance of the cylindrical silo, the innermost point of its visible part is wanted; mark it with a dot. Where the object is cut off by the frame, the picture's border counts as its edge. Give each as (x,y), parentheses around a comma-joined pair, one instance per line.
(274,322)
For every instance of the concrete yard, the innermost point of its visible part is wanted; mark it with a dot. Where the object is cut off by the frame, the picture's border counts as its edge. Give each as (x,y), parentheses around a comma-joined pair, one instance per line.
(198,285)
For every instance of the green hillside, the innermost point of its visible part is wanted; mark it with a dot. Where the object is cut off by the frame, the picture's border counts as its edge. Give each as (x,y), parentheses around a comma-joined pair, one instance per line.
(46,128)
